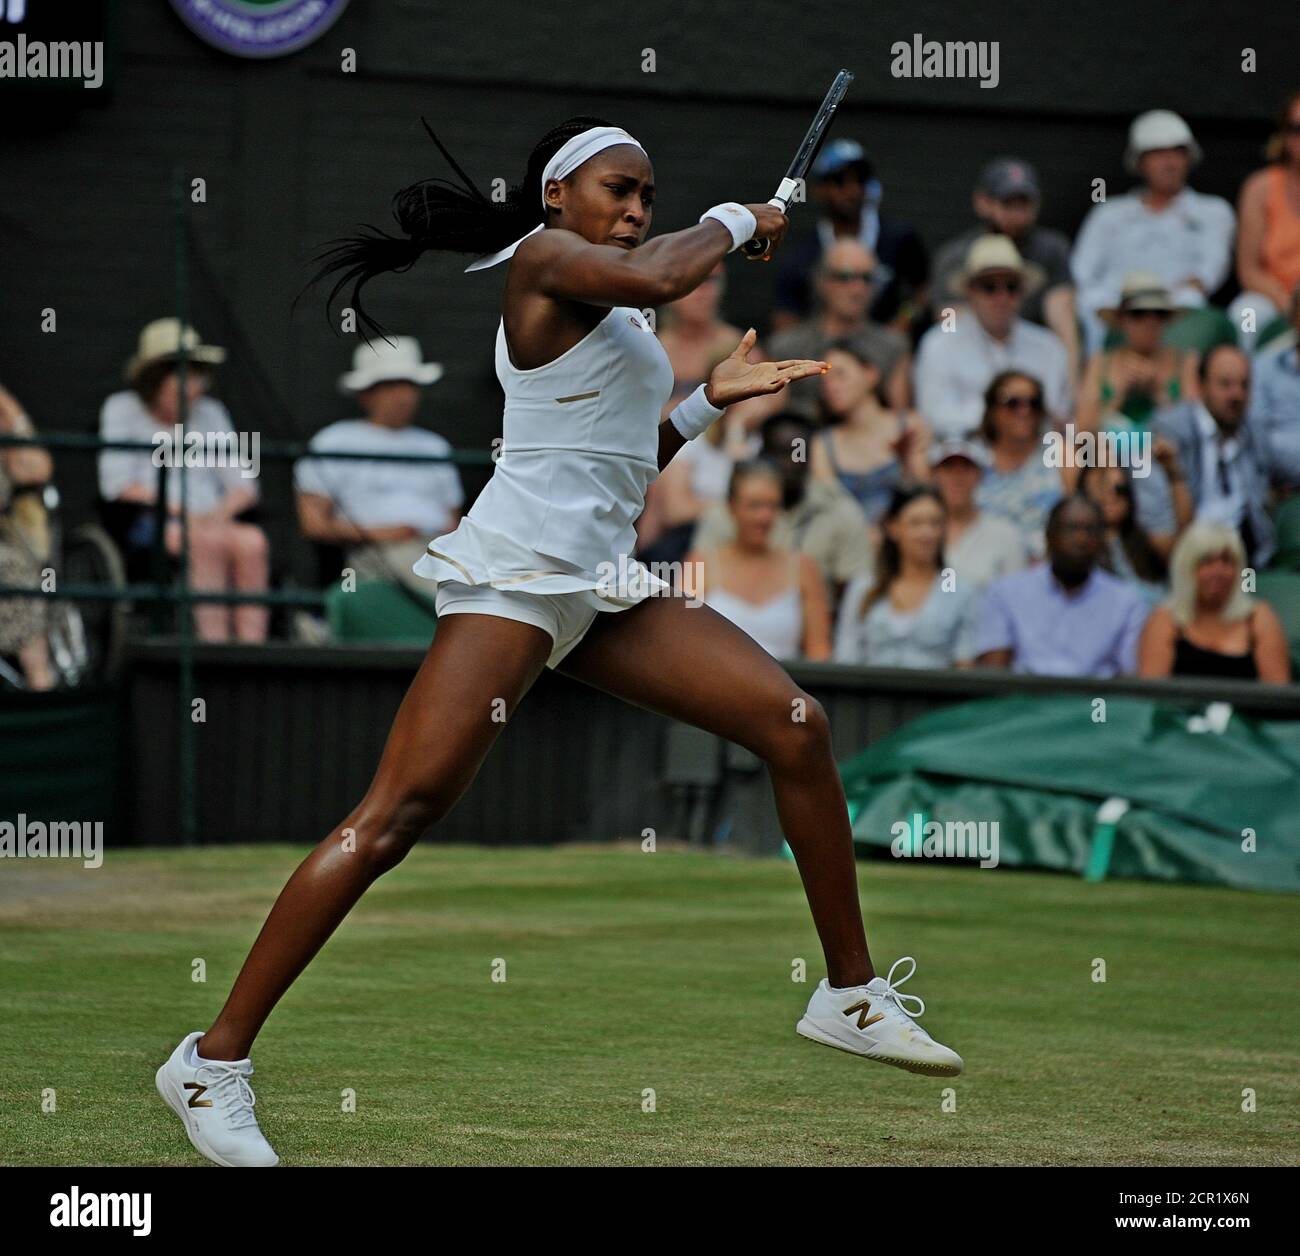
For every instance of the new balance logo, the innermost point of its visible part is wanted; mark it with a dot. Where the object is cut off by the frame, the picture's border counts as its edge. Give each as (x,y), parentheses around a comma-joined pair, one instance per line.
(196,1099)
(863,1019)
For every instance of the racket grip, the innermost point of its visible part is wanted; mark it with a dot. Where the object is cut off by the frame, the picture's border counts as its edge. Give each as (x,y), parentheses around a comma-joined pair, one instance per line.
(756,247)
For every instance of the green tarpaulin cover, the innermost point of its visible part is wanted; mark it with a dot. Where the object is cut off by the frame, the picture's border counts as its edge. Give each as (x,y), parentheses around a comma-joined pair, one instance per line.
(1199,788)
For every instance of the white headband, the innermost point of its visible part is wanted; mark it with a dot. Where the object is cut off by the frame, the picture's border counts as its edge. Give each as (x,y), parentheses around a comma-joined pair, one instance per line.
(570,155)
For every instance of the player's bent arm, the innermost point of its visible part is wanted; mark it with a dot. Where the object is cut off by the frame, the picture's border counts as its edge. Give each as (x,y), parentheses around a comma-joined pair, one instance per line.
(1156,644)
(567,267)
(670,441)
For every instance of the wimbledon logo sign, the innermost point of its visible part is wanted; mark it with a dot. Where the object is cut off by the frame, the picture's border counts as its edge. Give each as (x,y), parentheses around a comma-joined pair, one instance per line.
(259,28)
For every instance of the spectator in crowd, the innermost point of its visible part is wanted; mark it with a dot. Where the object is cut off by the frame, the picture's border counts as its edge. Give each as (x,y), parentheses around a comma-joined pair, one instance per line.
(1124,386)
(845,281)
(1226,465)
(1275,397)
(1063,617)
(382,513)
(225,553)
(23,621)
(958,356)
(777,595)
(696,338)
(865,446)
(1210,626)
(1018,484)
(978,546)
(848,195)
(816,518)
(1185,237)
(1007,200)
(911,613)
(1128,551)
(1268,242)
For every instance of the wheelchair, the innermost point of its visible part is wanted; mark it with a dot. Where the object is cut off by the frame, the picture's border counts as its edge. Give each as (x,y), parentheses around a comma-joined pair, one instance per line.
(85,638)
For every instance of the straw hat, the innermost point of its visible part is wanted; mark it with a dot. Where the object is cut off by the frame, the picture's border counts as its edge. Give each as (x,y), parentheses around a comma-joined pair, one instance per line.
(161,341)
(998,252)
(1141,290)
(382,361)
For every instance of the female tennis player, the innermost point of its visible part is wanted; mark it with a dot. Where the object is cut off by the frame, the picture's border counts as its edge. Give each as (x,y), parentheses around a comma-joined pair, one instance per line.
(539,574)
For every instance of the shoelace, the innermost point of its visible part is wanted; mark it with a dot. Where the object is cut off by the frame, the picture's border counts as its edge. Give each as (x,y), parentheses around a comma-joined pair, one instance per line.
(230,1088)
(892,991)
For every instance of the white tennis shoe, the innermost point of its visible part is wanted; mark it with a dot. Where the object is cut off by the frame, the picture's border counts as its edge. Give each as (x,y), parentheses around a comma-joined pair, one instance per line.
(870,1020)
(215,1102)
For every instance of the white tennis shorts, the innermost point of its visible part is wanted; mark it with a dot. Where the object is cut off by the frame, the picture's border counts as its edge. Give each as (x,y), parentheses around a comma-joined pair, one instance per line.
(565,616)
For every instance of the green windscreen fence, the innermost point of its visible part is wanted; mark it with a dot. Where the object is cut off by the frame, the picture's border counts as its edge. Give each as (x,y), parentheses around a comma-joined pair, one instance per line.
(1120,787)
(60,758)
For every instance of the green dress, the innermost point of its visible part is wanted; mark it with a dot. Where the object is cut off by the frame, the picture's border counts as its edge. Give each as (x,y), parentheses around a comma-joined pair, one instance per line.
(1132,413)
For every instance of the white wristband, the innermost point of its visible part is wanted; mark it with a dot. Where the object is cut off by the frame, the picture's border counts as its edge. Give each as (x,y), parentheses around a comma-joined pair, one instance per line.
(695,415)
(736,218)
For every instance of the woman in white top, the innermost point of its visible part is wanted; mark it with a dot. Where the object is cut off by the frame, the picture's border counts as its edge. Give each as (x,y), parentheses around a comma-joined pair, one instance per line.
(539,573)
(776,595)
(226,553)
(915,612)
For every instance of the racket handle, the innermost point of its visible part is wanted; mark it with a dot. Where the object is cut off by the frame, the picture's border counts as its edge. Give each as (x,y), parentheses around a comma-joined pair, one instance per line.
(755,248)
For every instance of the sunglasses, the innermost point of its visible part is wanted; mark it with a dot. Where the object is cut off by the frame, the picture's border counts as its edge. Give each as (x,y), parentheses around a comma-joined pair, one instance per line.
(1030,405)
(1160,315)
(849,276)
(991,286)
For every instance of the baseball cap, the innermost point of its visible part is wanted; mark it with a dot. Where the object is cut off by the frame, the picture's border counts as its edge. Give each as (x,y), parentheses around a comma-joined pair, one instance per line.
(838,154)
(1006,177)
(941,451)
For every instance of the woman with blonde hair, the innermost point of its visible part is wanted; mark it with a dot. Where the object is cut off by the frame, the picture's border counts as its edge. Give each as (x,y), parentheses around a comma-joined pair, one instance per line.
(1210,626)
(777,595)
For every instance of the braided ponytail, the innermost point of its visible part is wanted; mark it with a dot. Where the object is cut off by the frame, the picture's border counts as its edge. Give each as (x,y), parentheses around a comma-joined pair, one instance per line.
(437,214)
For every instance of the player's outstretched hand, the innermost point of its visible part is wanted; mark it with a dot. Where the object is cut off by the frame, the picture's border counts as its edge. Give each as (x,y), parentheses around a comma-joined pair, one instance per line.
(735,379)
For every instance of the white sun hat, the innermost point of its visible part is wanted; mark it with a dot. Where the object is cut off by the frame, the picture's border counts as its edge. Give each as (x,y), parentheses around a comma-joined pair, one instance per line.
(1158,128)
(382,361)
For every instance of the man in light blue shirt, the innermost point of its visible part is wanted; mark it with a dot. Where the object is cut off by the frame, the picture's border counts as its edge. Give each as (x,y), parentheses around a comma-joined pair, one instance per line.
(1275,397)
(1064,617)
(1228,462)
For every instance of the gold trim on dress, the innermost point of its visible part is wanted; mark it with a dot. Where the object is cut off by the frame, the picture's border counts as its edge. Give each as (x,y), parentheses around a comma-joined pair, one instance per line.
(469,579)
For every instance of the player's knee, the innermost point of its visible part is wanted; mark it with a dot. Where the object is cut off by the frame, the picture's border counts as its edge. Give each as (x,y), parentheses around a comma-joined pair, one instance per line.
(799,735)
(386,831)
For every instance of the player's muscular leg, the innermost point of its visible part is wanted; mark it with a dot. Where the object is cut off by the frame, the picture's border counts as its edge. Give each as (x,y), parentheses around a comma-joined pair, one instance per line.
(692,664)
(444,728)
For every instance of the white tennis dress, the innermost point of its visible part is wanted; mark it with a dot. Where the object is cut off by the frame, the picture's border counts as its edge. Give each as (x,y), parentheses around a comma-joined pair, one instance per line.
(555,521)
